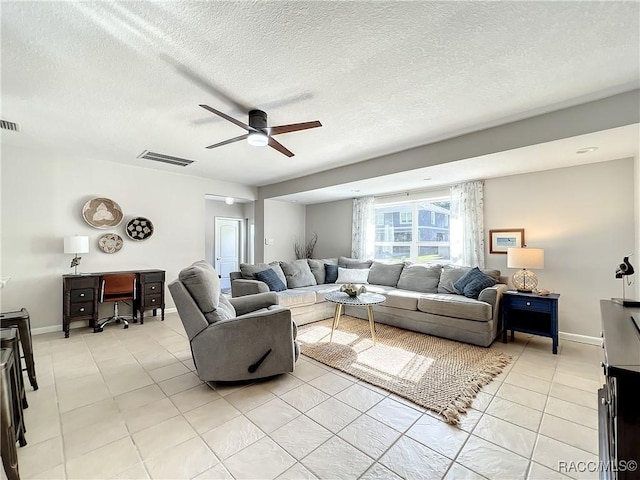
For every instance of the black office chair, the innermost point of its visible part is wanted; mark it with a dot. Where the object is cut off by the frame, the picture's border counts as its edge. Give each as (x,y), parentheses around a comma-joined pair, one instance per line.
(116,287)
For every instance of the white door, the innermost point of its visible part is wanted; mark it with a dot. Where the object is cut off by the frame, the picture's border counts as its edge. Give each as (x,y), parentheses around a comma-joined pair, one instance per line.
(227,248)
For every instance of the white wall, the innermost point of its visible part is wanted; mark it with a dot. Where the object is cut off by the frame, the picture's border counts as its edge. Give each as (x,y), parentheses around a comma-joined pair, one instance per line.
(332,222)
(42,199)
(284,222)
(636,257)
(584,219)
(582,216)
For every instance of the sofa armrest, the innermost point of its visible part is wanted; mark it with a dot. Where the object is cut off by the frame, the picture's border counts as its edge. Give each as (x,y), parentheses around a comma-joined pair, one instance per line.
(242,287)
(492,295)
(251,303)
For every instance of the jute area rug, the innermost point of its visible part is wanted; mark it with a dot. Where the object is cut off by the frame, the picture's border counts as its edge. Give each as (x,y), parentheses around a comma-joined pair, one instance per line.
(441,375)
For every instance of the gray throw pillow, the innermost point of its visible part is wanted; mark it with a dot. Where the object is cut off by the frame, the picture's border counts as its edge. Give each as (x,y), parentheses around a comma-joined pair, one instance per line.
(318,270)
(298,274)
(420,278)
(249,270)
(385,273)
(355,262)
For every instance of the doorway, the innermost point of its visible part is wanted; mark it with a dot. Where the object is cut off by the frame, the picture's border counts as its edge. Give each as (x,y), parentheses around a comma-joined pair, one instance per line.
(227,248)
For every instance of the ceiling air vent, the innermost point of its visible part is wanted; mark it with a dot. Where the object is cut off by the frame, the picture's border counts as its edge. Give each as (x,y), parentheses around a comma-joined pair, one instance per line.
(160,157)
(6,125)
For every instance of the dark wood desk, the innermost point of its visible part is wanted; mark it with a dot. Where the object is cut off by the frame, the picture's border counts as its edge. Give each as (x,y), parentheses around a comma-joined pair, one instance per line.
(80,295)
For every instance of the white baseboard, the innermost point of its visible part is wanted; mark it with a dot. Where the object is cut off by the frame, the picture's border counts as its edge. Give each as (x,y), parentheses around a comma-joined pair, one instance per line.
(574,337)
(58,328)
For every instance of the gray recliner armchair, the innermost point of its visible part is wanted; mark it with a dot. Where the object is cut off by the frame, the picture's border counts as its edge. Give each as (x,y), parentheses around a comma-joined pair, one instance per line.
(233,339)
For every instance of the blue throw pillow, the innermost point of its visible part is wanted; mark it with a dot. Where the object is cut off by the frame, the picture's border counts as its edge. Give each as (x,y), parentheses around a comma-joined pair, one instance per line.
(473,282)
(331,272)
(473,289)
(465,279)
(270,277)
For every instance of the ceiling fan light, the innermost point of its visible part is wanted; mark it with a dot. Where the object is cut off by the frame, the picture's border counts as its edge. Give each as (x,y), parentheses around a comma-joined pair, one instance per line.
(258,139)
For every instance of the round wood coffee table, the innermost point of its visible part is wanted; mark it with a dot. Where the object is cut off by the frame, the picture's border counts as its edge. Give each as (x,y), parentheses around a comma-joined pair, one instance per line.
(362,300)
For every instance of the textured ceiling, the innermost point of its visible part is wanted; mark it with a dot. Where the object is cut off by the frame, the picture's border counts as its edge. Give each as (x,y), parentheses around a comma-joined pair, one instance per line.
(105,80)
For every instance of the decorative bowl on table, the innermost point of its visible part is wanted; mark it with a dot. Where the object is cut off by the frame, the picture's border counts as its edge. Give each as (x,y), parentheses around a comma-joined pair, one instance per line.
(353,290)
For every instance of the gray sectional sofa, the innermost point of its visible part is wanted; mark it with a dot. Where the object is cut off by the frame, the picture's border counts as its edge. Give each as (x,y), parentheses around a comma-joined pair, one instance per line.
(418,297)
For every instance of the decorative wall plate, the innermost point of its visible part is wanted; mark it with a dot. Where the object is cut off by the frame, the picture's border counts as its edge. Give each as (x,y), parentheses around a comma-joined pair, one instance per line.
(102,213)
(139,228)
(110,243)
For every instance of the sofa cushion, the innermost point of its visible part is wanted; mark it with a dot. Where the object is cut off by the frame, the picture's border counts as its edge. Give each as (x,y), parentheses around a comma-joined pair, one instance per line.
(454,305)
(270,277)
(452,273)
(320,290)
(298,273)
(296,297)
(420,278)
(318,269)
(354,262)
(385,273)
(352,275)
(473,282)
(203,284)
(249,270)
(402,299)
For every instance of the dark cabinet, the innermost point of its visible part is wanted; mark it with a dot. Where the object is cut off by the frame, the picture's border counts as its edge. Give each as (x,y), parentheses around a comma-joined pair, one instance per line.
(619,409)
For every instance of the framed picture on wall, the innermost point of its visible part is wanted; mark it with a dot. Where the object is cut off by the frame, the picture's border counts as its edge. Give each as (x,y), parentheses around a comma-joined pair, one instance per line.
(500,240)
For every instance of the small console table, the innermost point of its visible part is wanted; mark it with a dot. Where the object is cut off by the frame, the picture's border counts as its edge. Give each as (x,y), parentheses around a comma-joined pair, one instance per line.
(530,313)
(80,294)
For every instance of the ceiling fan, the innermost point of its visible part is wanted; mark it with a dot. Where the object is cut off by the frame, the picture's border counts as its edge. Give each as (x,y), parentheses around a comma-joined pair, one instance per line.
(258,134)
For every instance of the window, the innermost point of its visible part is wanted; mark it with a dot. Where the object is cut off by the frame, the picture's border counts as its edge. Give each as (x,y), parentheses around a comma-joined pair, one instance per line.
(398,238)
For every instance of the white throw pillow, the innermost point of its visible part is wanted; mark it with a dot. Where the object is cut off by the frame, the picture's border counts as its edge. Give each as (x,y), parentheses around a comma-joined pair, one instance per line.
(352,275)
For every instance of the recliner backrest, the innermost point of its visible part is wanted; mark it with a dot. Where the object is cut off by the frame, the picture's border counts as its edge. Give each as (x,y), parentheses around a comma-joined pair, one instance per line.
(192,317)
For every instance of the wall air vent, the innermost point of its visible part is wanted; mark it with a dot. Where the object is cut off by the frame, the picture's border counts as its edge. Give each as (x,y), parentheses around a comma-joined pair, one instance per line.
(160,157)
(6,125)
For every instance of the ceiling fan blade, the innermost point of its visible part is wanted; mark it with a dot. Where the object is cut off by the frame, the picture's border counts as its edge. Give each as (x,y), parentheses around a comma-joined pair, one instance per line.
(231,119)
(231,140)
(294,127)
(273,143)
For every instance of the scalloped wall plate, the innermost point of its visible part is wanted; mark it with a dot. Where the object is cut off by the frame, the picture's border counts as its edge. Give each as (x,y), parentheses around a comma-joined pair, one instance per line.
(139,228)
(102,213)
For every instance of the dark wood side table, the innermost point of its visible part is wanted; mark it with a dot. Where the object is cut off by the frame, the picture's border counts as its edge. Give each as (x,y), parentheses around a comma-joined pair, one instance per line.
(530,313)
(7,426)
(21,320)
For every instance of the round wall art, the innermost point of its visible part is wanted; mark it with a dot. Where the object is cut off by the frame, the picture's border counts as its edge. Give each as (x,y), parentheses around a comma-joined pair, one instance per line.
(139,228)
(102,213)
(110,243)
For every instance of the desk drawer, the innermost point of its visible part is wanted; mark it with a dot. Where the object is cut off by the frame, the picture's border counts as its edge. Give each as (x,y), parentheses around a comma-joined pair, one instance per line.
(81,295)
(154,301)
(152,277)
(532,304)
(151,288)
(81,309)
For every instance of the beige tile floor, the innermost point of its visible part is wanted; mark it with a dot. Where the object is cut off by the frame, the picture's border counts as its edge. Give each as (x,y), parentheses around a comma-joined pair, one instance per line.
(127,404)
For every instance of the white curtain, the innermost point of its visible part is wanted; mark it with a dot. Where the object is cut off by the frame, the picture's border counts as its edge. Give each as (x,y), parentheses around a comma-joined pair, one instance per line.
(363,228)
(467,224)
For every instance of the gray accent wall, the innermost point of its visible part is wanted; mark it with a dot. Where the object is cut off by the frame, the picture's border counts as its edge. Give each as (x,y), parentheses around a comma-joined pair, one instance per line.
(332,222)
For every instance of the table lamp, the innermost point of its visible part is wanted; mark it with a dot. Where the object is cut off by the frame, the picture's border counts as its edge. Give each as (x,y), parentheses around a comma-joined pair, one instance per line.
(76,244)
(525,258)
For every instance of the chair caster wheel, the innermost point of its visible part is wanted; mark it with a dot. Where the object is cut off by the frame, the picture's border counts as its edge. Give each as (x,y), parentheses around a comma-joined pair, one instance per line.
(126,326)
(98,330)
(118,321)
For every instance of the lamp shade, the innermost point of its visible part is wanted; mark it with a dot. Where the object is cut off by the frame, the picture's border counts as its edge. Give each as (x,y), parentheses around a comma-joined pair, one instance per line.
(532,258)
(76,244)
